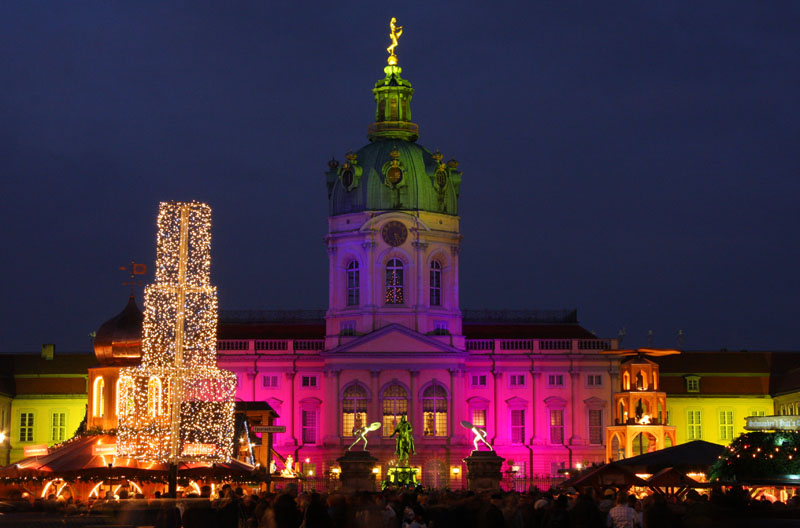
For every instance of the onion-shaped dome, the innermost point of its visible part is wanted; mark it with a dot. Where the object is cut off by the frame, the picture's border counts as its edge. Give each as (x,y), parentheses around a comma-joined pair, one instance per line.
(393,172)
(118,341)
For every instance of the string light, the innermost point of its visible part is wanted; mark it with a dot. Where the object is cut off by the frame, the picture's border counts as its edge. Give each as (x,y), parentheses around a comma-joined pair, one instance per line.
(177,405)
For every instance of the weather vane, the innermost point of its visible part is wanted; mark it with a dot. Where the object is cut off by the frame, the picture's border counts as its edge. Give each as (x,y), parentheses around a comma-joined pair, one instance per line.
(135,269)
(394,34)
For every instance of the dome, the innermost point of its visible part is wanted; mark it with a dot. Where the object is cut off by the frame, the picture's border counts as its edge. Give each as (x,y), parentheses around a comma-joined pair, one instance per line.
(118,341)
(393,172)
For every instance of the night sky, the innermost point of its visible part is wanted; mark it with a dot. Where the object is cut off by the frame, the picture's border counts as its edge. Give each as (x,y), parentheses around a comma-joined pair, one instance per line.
(637,161)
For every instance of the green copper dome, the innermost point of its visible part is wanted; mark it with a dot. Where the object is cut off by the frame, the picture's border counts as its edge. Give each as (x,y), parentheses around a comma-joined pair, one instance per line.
(393,172)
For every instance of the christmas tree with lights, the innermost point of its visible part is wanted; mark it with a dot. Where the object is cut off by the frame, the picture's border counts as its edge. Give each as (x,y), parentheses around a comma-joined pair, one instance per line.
(177,405)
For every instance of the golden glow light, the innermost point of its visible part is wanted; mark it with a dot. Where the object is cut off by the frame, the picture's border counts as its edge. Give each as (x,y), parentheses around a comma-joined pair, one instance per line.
(98,404)
(178,399)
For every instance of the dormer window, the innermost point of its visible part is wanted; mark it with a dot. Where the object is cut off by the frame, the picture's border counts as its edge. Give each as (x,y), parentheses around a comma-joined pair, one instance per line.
(692,383)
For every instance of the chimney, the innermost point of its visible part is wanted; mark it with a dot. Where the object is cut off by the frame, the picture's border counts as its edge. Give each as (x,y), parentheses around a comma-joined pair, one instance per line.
(48,351)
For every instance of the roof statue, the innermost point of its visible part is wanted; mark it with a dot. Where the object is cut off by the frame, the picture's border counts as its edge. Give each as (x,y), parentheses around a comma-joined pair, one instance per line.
(361,434)
(480,434)
(394,34)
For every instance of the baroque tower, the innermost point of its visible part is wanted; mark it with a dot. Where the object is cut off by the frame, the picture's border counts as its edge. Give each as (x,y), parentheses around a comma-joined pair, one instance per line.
(393,228)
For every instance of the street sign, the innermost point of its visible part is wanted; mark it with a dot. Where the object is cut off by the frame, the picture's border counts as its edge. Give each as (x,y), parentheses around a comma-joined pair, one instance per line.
(269,428)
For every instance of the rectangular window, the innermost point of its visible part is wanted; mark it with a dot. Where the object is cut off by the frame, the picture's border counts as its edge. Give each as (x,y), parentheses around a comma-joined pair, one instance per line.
(518,426)
(757,413)
(556,426)
(26,427)
(517,380)
(693,384)
(347,328)
(726,425)
(595,426)
(556,467)
(309,427)
(694,429)
(353,288)
(441,328)
(58,422)
(479,417)
(479,380)
(270,381)
(308,382)
(555,380)
(594,380)
(436,284)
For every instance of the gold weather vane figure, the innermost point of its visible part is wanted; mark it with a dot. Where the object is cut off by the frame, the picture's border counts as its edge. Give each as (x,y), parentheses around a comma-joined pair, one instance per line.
(394,34)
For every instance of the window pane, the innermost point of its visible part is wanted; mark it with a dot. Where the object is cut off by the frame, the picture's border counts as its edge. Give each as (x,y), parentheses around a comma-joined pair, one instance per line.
(479,417)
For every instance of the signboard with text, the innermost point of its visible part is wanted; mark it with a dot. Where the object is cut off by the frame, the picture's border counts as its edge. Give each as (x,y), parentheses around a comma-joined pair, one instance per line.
(269,428)
(199,449)
(772,423)
(104,449)
(35,450)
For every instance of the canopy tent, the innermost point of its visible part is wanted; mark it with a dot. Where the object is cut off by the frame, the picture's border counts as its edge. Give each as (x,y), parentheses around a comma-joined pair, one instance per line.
(696,456)
(605,476)
(672,482)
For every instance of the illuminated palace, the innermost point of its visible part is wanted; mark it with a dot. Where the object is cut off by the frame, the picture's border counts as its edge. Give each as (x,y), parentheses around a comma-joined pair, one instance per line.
(394,340)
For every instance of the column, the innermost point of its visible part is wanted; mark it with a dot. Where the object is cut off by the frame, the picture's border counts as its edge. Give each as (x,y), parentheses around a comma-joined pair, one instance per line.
(576,408)
(540,428)
(498,380)
(457,412)
(329,405)
(374,407)
(412,402)
(291,411)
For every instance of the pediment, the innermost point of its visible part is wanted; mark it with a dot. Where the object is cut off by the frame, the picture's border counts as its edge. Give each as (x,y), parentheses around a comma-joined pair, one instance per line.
(394,339)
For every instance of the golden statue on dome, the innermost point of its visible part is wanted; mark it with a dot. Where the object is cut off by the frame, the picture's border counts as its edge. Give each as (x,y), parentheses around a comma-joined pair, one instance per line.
(394,34)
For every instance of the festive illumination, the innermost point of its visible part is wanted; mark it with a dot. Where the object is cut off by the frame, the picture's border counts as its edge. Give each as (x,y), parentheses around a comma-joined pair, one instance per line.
(177,405)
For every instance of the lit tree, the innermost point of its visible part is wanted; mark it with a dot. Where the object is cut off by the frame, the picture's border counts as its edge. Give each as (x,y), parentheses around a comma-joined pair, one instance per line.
(177,405)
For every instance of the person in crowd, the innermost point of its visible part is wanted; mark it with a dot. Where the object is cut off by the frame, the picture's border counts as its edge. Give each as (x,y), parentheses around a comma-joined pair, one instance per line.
(622,515)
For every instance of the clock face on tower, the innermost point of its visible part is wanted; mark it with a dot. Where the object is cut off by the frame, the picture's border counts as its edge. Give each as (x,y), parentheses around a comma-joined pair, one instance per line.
(394,233)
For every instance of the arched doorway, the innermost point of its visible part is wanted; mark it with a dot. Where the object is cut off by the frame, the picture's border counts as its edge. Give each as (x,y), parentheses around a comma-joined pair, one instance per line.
(434,474)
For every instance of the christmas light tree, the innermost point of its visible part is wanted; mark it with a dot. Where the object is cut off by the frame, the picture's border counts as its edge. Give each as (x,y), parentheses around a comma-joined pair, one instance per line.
(177,405)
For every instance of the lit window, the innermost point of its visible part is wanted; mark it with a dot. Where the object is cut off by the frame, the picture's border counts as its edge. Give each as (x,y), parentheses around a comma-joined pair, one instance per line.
(98,396)
(518,426)
(395,405)
(154,396)
(555,380)
(594,380)
(556,426)
(517,380)
(694,429)
(270,381)
(308,382)
(434,411)
(436,283)
(479,380)
(26,427)
(394,282)
(58,422)
(354,409)
(353,284)
(309,418)
(726,425)
(479,417)
(595,426)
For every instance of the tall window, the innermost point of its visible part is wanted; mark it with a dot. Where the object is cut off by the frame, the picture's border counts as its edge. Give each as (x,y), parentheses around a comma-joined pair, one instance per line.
(58,424)
(309,418)
(26,427)
(479,417)
(436,283)
(354,409)
(518,426)
(434,411)
(556,426)
(694,429)
(98,397)
(595,426)
(353,284)
(395,404)
(726,425)
(394,282)
(154,396)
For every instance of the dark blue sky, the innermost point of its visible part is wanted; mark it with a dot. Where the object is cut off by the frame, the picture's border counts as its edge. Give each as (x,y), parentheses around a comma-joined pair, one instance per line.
(635,160)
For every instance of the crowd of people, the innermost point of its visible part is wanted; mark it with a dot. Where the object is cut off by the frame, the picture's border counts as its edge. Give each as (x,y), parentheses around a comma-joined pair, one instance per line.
(609,508)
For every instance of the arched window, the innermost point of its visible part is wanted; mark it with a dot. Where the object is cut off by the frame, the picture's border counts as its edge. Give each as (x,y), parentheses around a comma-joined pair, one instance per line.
(98,396)
(154,396)
(436,283)
(354,409)
(394,282)
(434,411)
(124,395)
(395,405)
(353,285)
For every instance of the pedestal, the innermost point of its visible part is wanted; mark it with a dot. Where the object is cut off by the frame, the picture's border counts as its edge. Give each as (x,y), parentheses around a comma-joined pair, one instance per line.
(401,477)
(357,472)
(483,471)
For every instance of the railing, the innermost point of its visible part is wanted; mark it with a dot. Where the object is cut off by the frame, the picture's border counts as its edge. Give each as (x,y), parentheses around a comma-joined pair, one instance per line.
(309,344)
(516,344)
(233,344)
(555,344)
(480,344)
(261,345)
(594,344)
(540,345)
(272,344)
